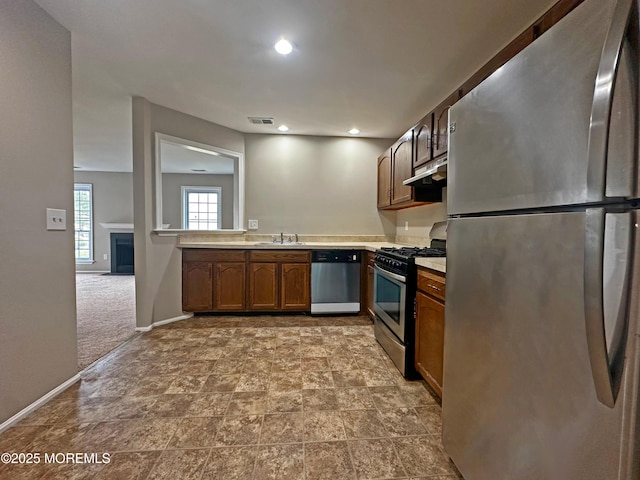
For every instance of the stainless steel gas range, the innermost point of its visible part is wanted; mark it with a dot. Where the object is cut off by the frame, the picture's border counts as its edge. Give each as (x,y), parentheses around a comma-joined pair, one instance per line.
(394,301)
(394,296)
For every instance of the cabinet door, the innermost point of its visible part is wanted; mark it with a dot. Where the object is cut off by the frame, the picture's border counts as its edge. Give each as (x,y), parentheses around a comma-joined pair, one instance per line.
(423,139)
(263,286)
(384,179)
(229,286)
(429,340)
(441,125)
(295,285)
(370,291)
(197,286)
(402,167)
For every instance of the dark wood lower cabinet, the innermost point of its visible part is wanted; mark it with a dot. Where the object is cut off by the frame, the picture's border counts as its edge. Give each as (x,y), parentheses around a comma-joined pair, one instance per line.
(216,280)
(229,283)
(370,285)
(429,347)
(213,280)
(197,286)
(263,286)
(295,281)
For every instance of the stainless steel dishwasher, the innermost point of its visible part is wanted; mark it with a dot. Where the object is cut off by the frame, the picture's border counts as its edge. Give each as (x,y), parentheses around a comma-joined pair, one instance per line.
(335,281)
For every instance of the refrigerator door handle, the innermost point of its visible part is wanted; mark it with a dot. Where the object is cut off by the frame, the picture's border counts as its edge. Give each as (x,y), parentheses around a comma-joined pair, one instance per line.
(603,100)
(606,355)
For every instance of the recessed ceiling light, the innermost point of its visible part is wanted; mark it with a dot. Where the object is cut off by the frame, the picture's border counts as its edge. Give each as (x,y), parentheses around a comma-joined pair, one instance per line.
(283,128)
(201,150)
(283,47)
(354,131)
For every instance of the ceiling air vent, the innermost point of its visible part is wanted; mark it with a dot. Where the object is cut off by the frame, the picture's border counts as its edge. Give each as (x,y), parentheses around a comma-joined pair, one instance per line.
(261,120)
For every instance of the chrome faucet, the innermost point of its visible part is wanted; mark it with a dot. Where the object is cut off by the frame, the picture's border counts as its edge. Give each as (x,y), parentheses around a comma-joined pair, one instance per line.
(296,237)
(281,237)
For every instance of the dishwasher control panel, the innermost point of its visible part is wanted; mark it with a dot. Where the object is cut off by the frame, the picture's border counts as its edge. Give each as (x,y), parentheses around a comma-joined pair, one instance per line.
(335,256)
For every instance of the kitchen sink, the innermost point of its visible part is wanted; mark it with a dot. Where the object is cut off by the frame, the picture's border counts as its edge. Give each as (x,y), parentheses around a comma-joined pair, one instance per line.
(278,244)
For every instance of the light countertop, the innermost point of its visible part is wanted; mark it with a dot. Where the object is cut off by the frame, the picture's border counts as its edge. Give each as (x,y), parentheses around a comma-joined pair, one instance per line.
(437,264)
(434,263)
(369,246)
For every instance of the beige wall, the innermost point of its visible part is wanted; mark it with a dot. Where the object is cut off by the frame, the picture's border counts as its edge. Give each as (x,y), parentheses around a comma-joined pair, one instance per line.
(413,224)
(112,203)
(157,260)
(38,346)
(172,184)
(315,185)
(297,184)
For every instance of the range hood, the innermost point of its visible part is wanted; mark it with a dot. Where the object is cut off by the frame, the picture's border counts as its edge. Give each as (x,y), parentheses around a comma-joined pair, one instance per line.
(432,175)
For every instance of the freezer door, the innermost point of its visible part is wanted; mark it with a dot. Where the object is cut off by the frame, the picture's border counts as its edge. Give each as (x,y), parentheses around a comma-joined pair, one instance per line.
(539,133)
(519,400)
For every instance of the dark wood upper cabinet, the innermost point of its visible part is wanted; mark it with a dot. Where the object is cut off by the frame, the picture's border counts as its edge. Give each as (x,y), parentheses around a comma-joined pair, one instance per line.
(384,179)
(401,169)
(422,138)
(431,134)
(441,125)
(394,167)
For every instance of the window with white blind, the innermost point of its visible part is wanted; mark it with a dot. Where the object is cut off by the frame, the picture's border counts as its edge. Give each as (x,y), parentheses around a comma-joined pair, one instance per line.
(201,209)
(83,222)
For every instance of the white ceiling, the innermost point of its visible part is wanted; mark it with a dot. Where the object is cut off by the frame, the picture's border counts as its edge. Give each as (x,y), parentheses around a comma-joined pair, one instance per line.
(378,65)
(177,159)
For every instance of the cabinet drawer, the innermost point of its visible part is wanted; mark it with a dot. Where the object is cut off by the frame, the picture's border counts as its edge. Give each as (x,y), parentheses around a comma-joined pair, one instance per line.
(213,255)
(289,256)
(431,284)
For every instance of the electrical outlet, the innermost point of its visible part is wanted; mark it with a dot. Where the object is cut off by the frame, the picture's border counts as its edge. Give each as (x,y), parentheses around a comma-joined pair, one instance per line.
(56,219)
(253,224)
(406,225)
(105,256)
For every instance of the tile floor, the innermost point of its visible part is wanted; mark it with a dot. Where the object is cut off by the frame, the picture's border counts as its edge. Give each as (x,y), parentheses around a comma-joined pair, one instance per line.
(240,398)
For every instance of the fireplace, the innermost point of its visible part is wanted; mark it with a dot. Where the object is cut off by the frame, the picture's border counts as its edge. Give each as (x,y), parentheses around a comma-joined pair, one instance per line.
(122,253)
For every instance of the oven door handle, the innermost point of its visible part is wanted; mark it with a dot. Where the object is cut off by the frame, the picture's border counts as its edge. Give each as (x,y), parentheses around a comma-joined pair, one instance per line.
(395,276)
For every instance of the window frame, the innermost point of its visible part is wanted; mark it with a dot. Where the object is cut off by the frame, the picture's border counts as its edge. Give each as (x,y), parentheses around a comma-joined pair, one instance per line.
(238,194)
(83,187)
(186,190)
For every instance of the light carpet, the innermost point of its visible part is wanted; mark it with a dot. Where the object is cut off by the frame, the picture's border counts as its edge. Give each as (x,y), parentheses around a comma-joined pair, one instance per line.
(106,314)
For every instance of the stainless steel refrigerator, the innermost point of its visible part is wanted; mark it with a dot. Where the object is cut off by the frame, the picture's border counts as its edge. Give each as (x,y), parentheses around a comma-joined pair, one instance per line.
(541,349)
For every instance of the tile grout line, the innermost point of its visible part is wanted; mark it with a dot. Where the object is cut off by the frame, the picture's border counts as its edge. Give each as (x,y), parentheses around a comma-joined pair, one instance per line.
(339,410)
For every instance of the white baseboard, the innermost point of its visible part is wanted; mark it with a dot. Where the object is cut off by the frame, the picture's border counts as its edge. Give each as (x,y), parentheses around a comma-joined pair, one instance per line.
(63,386)
(317,308)
(174,319)
(164,322)
(39,402)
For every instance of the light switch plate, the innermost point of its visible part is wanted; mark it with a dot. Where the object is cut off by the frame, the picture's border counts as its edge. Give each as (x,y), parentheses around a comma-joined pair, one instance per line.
(253,224)
(56,219)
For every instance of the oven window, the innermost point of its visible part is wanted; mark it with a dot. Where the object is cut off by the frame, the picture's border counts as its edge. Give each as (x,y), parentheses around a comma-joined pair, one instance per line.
(389,297)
